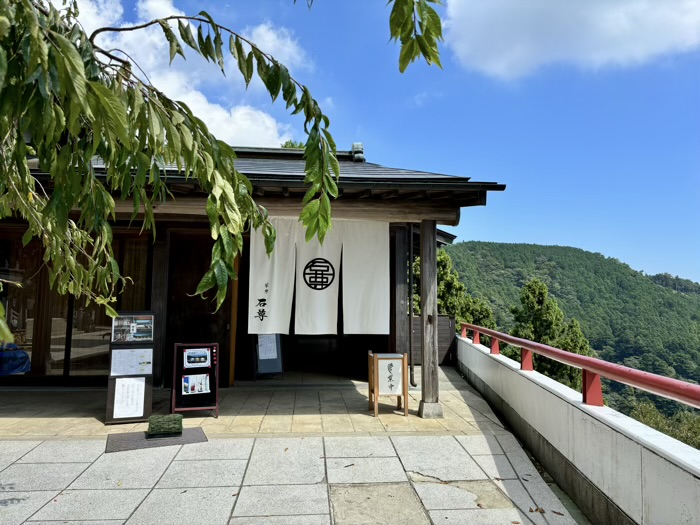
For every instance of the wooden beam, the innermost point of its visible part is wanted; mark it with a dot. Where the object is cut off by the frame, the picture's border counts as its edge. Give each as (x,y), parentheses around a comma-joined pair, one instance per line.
(194,209)
(429,407)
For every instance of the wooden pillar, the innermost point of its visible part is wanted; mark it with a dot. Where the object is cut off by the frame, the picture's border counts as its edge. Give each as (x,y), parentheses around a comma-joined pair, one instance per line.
(429,405)
(159,307)
(41,338)
(400,302)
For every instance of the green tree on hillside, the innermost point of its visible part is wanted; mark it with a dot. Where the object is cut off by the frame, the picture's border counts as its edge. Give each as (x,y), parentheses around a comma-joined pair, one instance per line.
(539,318)
(452,295)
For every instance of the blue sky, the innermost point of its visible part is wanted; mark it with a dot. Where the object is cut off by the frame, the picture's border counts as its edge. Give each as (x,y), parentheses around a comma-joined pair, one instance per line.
(589,114)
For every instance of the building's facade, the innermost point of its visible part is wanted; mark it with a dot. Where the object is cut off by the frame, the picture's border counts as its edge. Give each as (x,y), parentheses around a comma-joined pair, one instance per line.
(69,342)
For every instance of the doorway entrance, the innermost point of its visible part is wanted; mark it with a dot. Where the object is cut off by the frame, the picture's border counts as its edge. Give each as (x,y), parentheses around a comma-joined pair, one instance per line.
(191,319)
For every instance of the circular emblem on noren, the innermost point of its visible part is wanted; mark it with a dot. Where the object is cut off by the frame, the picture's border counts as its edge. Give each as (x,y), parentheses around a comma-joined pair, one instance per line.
(319,274)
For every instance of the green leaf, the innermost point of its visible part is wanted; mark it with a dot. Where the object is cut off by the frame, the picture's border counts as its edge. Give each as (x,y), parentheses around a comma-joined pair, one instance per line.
(75,68)
(3,67)
(175,47)
(408,54)
(186,35)
(207,283)
(114,109)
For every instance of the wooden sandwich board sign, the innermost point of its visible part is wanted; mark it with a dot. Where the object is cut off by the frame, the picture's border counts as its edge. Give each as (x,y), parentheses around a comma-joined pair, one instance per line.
(195,378)
(388,376)
(130,382)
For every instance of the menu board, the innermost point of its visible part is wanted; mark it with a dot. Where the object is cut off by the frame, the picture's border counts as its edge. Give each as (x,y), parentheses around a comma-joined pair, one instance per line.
(130,383)
(131,361)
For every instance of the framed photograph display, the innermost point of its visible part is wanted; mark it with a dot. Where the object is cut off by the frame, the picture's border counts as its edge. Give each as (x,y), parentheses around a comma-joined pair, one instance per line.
(132,328)
(195,378)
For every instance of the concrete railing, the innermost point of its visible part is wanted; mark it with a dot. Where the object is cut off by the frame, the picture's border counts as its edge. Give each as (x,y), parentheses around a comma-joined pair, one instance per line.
(617,470)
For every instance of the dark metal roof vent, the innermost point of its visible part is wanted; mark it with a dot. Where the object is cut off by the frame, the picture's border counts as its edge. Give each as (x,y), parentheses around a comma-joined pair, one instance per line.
(358,152)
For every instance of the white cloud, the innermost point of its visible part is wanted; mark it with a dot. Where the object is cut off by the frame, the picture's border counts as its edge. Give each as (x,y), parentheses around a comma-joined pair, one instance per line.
(281,44)
(508,39)
(234,120)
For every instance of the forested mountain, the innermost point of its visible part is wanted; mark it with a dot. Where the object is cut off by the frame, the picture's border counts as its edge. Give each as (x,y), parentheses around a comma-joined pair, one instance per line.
(647,322)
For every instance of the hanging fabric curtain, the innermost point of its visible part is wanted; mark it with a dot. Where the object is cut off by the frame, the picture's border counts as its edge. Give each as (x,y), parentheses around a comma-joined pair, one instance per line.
(317,284)
(272,280)
(366,285)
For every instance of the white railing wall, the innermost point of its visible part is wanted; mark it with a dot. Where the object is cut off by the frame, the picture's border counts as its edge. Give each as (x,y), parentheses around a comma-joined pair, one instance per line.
(652,478)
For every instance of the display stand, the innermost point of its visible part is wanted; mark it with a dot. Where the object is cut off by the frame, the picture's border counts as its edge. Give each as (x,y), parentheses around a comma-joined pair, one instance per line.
(195,378)
(130,382)
(268,355)
(388,376)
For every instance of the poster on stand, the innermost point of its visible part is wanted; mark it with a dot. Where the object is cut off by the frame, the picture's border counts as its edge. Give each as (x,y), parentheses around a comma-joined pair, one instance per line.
(195,384)
(129,393)
(195,377)
(197,358)
(132,328)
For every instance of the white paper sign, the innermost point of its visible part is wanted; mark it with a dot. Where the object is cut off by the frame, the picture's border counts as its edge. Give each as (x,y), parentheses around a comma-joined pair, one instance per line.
(390,377)
(132,362)
(129,393)
(267,347)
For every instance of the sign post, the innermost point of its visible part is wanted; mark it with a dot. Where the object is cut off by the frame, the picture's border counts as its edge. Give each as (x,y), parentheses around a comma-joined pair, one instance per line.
(130,382)
(195,378)
(388,376)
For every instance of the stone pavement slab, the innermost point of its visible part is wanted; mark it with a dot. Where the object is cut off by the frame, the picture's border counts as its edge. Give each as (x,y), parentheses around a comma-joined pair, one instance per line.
(386,503)
(204,473)
(220,448)
(439,457)
(69,451)
(15,507)
(127,470)
(11,451)
(459,495)
(290,461)
(364,470)
(479,517)
(318,519)
(480,444)
(210,506)
(81,505)
(40,476)
(82,522)
(282,500)
(358,447)
(496,467)
(514,490)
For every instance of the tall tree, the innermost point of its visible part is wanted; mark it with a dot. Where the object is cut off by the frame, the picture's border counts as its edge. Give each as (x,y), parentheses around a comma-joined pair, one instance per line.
(539,318)
(452,296)
(64,98)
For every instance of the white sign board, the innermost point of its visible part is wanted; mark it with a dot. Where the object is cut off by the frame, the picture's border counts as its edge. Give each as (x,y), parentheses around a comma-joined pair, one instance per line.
(267,347)
(129,394)
(390,372)
(132,362)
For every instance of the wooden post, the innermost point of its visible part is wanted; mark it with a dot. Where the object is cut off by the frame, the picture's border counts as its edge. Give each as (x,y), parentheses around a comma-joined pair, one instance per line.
(401,317)
(233,322)
(159,307)
(430,407)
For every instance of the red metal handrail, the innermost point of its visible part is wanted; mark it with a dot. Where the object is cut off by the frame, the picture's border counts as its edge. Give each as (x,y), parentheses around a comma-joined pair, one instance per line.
(593,369)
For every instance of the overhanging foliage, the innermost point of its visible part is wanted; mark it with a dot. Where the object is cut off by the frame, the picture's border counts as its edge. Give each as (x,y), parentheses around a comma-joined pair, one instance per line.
(66,100)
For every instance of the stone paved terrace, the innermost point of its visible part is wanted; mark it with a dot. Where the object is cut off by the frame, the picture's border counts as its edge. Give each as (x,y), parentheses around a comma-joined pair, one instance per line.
(288,455)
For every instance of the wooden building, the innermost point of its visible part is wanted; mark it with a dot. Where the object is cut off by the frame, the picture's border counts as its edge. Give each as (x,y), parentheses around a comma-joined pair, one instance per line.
(69,341)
